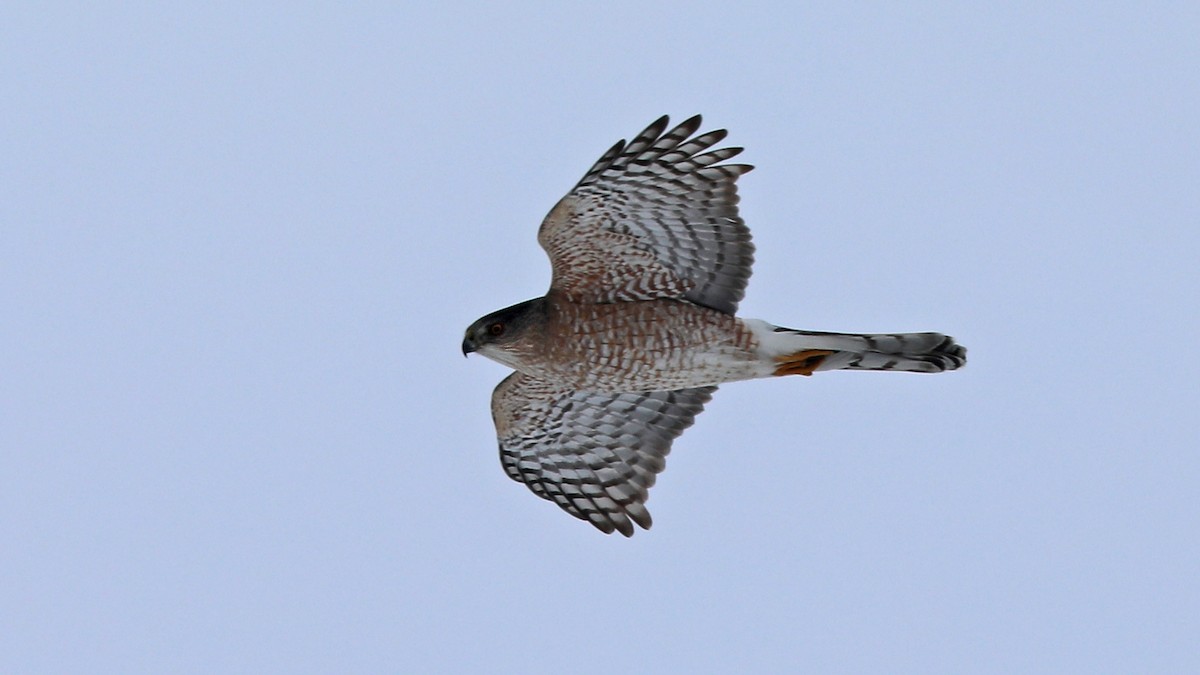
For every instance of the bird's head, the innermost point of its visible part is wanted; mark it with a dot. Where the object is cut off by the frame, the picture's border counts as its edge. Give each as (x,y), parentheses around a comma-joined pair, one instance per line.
(500,335)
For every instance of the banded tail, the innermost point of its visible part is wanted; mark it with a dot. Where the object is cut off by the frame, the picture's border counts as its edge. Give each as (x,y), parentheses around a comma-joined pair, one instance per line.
(803,352)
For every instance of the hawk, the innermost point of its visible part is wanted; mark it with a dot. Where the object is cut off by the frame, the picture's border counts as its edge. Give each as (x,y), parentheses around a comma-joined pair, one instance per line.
(649,260)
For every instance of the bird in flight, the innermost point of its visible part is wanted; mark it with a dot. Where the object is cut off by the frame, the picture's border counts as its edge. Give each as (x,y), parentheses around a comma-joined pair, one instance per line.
(649,260)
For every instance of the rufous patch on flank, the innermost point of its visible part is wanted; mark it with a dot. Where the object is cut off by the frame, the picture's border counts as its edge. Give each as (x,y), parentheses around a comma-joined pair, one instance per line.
(801,363)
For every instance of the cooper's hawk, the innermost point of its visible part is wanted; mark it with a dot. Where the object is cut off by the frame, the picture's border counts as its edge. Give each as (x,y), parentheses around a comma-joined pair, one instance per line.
(649,262)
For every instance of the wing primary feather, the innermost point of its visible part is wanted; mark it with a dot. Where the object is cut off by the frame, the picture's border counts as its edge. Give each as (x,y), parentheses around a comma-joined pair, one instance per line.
(647,138)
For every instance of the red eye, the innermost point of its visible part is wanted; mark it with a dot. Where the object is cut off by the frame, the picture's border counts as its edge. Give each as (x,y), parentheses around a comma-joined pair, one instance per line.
(496,329)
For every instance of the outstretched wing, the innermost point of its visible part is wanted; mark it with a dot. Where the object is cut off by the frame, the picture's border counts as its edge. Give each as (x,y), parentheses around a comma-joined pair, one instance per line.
(595,455)
(656,218)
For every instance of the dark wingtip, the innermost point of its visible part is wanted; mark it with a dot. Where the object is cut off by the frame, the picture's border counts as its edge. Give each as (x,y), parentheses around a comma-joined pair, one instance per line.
(656,127)
(624,527)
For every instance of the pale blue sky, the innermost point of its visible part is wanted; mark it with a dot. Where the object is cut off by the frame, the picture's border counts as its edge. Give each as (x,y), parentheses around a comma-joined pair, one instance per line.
(239,246)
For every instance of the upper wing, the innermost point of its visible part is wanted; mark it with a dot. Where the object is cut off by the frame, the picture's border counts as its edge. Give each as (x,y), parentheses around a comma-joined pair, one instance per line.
(595,455)
(656,218)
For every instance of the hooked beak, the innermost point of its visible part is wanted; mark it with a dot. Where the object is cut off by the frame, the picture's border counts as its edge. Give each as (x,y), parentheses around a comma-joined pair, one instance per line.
(468,345)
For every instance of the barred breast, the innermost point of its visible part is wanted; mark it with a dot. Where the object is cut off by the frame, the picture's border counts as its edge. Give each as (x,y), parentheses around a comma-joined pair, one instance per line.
(652,345)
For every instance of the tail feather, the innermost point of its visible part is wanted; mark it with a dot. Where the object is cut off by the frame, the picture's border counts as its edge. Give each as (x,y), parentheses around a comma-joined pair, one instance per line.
(906,352)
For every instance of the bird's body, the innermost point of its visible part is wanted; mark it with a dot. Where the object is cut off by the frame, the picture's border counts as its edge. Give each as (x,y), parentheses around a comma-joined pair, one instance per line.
(638,328)
(656,345)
